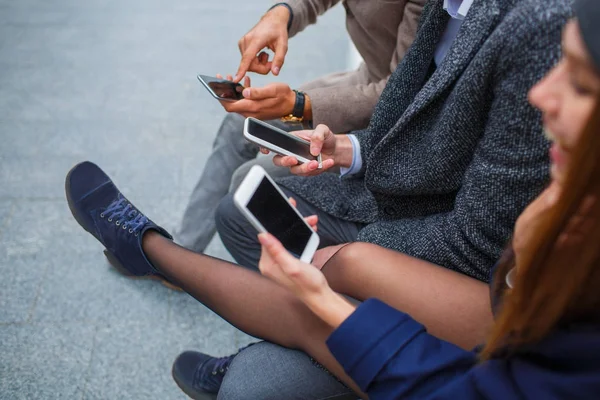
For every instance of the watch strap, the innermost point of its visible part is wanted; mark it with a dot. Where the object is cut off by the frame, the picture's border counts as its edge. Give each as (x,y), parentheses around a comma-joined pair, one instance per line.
(298,110)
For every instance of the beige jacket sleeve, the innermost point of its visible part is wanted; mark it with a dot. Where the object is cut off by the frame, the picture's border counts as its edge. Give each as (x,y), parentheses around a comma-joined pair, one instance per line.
(346,102)
(348,106)
(306,12)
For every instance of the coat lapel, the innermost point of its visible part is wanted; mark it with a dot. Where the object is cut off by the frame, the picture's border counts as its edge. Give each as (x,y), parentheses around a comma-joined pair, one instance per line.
(480,22)
(416,63)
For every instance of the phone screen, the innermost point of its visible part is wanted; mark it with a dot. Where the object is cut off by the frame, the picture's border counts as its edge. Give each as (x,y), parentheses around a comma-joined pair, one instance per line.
(222,88)
(279,218)
(279,139)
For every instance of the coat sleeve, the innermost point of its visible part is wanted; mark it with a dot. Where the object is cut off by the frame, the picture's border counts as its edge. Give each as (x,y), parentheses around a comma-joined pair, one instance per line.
(306,12)
(390,355)
(345,108)
(508,169)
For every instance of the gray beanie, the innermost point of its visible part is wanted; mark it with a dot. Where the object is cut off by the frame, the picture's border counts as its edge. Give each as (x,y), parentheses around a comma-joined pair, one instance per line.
(588,15)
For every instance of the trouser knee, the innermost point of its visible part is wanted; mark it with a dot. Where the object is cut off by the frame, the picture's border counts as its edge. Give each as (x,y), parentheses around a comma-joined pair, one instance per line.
(237,234)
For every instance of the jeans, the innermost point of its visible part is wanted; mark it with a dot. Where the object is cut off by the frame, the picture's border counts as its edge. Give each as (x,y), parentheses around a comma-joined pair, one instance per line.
(266,371)
(230,152)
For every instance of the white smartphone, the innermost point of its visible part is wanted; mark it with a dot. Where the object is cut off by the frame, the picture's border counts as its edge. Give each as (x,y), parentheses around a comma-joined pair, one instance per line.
(278,141)
(222,89)
(268,210)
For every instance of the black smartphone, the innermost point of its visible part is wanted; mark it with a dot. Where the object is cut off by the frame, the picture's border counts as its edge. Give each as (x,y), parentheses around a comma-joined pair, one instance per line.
(222,89)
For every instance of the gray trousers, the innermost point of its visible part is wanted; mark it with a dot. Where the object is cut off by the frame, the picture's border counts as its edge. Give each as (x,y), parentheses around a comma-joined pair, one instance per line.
(231,159)
(267,371)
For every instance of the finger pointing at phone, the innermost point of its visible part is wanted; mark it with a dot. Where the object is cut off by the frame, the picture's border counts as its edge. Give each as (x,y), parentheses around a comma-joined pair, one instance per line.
(270,32)
(335,150)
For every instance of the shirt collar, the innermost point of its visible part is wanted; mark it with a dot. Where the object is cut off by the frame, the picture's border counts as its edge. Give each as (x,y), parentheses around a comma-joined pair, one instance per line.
(457,9)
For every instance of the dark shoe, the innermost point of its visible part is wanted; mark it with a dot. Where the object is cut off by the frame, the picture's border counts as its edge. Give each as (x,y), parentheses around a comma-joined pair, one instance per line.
(200,375)
(101,209)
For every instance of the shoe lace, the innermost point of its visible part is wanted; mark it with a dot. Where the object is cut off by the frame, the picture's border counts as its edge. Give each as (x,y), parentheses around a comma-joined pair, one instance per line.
(125,213)
(222,363)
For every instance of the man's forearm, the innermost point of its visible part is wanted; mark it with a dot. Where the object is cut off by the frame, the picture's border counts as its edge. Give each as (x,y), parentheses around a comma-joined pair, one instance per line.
(282,13)
(347,108)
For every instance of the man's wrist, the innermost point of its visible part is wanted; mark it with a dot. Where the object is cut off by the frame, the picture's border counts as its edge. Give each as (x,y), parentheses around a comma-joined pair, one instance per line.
(290,103)
(307,108)
(343,151)
(282,12)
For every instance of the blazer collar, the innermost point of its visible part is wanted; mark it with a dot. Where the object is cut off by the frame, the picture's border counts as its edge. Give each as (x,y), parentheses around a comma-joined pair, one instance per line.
(480,22)
(391,106)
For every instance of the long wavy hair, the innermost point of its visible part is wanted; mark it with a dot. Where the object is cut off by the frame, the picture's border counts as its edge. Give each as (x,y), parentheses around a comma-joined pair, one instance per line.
(558,276)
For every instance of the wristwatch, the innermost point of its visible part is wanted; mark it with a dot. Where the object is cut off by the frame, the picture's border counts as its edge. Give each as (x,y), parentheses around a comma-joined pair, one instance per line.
(296,118)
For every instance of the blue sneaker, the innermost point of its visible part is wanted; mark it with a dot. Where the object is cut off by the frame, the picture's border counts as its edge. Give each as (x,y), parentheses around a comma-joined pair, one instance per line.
(101,209)
(200,375)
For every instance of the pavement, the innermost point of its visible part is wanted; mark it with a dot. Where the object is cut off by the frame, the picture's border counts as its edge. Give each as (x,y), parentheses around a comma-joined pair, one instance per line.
(113,82)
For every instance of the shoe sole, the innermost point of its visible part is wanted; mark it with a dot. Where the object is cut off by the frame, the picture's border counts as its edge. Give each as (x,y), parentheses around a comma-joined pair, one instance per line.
(192,393)
(111,259)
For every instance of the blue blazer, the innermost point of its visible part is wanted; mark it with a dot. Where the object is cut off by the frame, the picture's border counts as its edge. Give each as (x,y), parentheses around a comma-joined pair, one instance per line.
(391,356)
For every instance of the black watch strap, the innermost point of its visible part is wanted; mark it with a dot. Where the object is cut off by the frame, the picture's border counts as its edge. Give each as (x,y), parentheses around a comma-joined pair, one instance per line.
(298,110)
(289,24)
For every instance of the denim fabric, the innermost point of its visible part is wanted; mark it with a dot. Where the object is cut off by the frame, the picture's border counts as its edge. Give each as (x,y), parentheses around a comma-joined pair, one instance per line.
(267,371)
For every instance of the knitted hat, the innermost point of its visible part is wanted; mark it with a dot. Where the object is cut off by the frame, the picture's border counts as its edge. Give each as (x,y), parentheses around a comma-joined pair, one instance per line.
(588,15)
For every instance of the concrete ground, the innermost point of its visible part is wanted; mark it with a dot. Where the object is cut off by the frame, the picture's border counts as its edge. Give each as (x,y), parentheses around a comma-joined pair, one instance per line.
(112,81)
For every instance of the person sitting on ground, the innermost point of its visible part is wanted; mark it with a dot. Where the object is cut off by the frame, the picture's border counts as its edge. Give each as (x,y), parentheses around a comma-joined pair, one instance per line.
(381,32)
(545,342)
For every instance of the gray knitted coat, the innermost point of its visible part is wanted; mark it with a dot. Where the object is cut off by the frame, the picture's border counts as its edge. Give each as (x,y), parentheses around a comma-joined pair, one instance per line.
(448,165)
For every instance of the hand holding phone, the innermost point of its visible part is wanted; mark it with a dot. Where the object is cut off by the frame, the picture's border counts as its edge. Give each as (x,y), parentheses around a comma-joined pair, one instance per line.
(304,280)
(335,150)
(278,141)
(222,89)
(266,207)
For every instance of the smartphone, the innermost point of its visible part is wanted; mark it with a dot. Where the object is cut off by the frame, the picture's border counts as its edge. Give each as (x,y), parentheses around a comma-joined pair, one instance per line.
(267,208)
(222,89)
(278,140)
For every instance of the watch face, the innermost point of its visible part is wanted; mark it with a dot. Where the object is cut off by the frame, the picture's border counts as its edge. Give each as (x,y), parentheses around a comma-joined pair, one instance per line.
(296,123)
(291,118)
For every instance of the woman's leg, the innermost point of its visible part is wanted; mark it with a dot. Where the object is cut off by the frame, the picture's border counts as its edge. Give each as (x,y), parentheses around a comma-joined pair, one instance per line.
(452,306)
(253,303)
(244,298)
